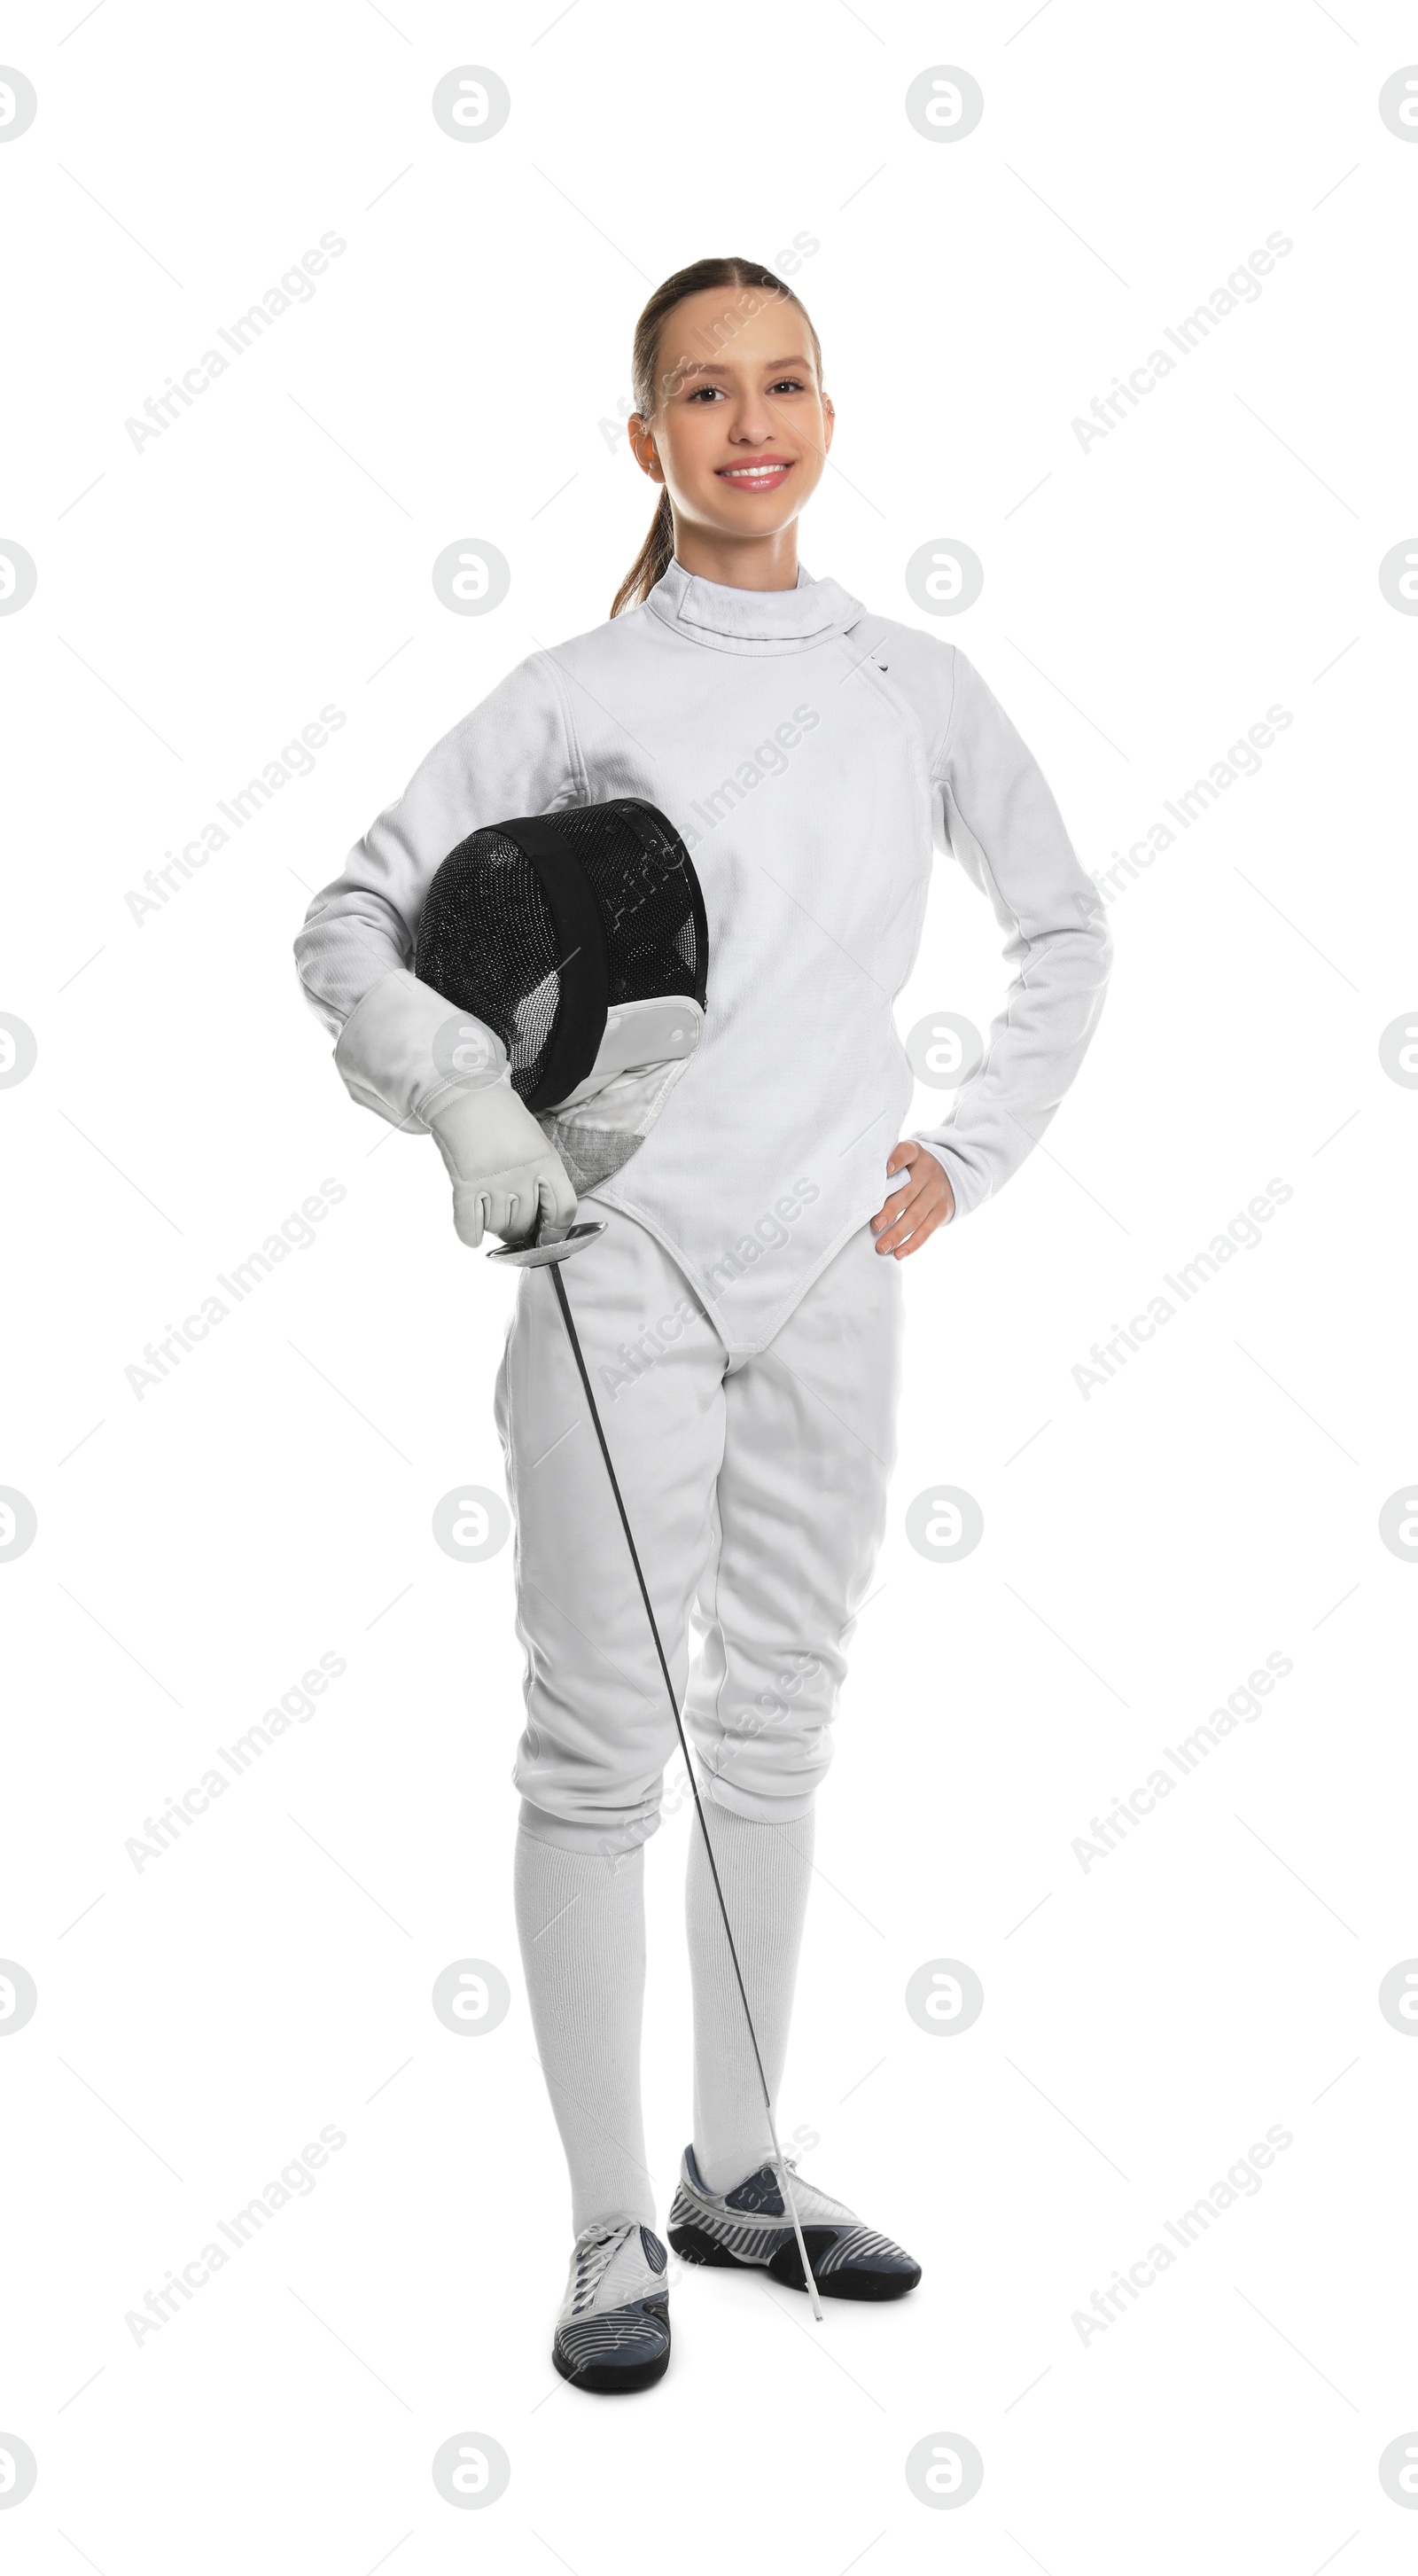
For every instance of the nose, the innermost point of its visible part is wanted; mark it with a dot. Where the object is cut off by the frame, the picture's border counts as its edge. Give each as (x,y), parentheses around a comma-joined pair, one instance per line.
(753,424)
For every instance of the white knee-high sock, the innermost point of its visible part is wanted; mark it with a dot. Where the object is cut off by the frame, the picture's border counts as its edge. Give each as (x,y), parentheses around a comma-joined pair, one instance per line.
(581,1925)
(764,1871)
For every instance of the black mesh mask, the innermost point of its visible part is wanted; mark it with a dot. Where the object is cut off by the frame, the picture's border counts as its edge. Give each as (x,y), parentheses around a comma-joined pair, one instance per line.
(579,939)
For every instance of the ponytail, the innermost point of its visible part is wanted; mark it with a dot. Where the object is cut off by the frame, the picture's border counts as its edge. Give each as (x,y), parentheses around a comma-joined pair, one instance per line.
(657,553)
(655,558)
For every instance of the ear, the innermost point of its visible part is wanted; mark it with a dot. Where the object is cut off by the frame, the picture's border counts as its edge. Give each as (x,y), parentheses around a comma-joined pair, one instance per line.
(642,447)
(830,421)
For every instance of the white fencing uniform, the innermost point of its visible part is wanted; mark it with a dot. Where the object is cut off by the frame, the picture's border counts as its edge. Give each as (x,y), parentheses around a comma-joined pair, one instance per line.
(812,756)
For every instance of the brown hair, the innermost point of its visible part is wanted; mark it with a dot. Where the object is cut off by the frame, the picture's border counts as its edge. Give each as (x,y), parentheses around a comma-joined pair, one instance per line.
(657,553)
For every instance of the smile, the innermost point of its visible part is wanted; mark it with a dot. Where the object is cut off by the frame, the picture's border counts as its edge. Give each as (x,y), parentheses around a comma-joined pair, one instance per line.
(756,478)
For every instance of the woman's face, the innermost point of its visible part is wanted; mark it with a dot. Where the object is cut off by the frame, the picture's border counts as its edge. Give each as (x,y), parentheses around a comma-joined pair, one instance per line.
(741,428)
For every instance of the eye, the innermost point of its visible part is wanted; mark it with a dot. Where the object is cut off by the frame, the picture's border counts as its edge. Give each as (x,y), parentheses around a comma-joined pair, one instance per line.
(788,385)
(706,393)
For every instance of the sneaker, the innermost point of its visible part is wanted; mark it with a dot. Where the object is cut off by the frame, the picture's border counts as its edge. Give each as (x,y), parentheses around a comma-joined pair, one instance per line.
(748,2229)
(613,2333)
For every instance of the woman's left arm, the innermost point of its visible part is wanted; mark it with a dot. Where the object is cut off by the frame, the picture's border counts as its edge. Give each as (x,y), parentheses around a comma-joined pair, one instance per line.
(1008,834)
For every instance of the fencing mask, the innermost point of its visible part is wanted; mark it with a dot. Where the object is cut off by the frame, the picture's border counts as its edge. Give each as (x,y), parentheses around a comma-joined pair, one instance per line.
(579,938)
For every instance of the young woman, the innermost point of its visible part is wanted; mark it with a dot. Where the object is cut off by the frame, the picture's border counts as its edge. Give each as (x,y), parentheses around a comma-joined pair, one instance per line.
(741,1314)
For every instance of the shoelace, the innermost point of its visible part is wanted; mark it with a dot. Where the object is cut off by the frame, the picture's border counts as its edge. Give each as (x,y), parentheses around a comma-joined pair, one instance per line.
(593,2258)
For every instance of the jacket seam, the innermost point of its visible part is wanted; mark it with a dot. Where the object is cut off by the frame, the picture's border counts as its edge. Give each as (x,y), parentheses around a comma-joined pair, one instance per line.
(750,646)
(576,763)
(941,745)
(1005,1021)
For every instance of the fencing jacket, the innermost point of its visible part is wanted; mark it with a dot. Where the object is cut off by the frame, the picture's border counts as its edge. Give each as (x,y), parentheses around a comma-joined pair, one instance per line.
(812,755)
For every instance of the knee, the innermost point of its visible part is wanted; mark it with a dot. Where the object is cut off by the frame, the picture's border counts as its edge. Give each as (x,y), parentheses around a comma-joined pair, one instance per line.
(796,1693)
(600,1833)
(768,1748)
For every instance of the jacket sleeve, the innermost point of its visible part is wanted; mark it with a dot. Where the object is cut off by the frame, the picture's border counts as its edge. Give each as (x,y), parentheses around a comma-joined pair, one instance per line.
(512,755)
(1005,829)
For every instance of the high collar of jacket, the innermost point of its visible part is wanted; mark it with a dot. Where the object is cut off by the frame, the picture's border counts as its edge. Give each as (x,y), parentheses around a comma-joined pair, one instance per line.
(752,621)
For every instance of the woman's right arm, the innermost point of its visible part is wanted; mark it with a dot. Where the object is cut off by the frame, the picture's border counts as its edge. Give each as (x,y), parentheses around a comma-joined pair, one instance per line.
(402,1050)
(514,754)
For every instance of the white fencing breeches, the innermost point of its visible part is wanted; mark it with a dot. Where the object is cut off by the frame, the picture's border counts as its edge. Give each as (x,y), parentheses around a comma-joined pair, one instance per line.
(756,1488)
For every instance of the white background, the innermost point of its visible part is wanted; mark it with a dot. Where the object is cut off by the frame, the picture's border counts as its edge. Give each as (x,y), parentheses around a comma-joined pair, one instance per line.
(1144,1549)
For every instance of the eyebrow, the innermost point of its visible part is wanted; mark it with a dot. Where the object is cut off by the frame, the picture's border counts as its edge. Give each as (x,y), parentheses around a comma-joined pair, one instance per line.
(708,367)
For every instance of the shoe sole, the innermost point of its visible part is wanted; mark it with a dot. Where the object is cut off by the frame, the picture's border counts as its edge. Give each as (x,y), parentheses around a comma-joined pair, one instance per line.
(694,2246)
(603,2379)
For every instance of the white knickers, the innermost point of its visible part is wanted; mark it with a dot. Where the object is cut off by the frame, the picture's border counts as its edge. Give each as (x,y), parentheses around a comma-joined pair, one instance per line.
(756,1488)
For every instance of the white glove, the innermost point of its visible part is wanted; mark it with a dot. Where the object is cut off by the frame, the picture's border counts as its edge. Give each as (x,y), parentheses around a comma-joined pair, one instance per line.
(406,1053)
(505,1175)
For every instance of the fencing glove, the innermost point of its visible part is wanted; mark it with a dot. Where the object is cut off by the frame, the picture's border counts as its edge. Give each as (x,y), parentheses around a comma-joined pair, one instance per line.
(404,1053)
